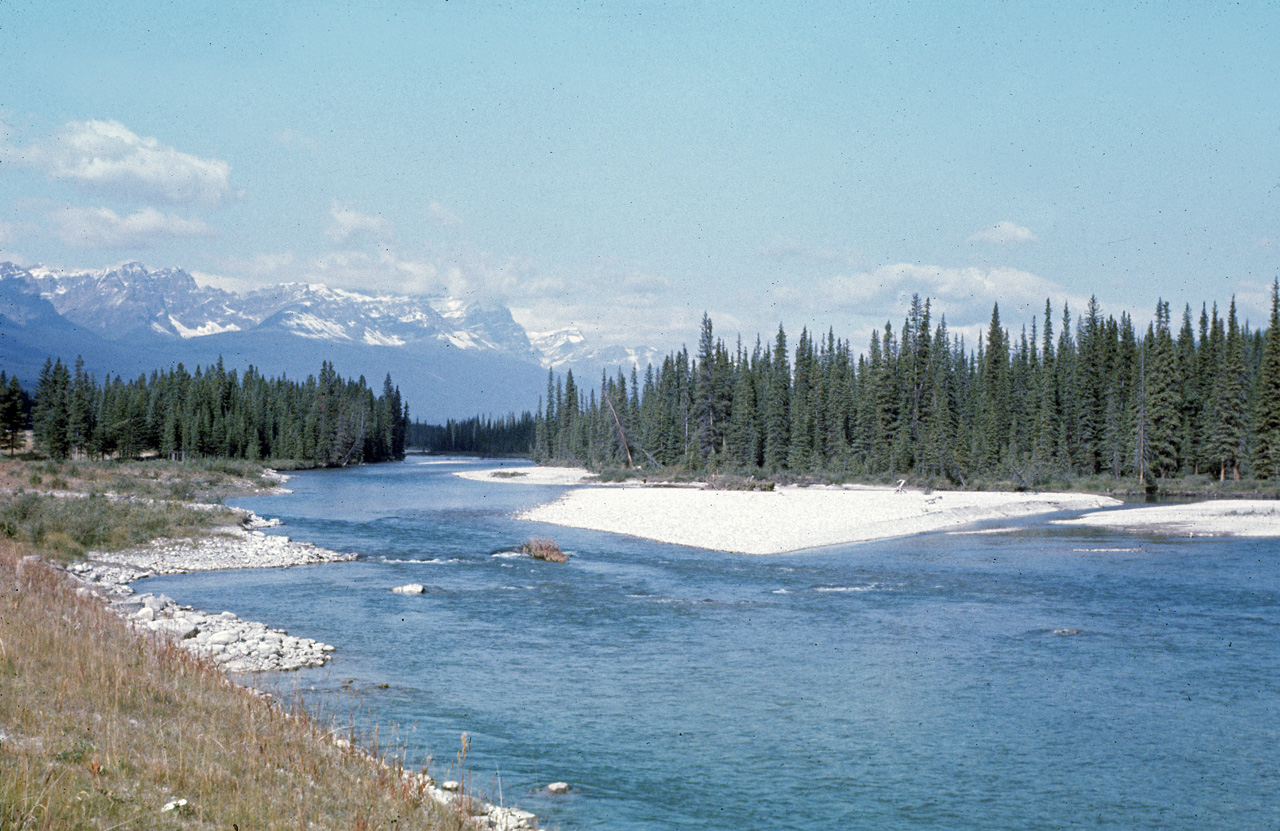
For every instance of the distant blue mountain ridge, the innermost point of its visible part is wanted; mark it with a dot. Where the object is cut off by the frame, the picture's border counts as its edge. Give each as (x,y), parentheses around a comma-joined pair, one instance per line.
(450,358)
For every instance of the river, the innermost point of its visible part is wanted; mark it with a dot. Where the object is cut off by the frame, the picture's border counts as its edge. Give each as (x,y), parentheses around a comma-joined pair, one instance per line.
(917,683)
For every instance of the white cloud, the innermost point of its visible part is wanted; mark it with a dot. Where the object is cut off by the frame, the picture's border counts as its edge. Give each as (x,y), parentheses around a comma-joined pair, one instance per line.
(239,285)
(104,228)
(1004,232)
(964,295)
(346,225)
(357,270)
(110,157)
(291,139)
(613,303)
(444,217)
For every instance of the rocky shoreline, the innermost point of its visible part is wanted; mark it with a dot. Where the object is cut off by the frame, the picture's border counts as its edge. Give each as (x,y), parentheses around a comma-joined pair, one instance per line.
(237,645)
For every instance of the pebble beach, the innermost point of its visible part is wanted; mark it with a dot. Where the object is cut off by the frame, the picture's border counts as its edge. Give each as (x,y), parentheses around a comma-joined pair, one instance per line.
(792,518)
(237,645)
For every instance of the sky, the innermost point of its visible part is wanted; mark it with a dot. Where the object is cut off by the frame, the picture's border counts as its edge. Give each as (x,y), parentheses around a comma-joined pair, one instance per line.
(626,167)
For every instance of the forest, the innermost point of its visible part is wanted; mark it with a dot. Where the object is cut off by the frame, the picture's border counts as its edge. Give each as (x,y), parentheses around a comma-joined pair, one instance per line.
(481,435)
(1089,396)
(324,421)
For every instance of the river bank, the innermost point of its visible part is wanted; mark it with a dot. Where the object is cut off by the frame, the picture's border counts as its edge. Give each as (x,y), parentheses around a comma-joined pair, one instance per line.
(1228,517)
(209,647)
(790,518)
(793,518)
(237,645)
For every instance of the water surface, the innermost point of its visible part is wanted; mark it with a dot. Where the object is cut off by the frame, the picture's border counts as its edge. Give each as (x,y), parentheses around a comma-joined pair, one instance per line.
(915,683)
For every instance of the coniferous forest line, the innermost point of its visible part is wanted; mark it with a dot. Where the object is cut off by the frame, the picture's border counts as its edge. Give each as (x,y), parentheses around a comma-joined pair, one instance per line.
(486,436)
(1084,396)
(323,421)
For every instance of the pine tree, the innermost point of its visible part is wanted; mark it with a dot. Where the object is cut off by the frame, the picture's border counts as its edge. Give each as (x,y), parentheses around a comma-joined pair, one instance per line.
(800,450)
(777,407)
(1044,447)
(744,420)
(1161,387)
(1189,395)
(1266,457)
(12,417)
(51,413)
(1227,438)
(993,432)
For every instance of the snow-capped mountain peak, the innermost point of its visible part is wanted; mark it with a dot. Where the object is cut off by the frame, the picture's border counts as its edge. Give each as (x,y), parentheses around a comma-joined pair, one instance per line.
(130,303)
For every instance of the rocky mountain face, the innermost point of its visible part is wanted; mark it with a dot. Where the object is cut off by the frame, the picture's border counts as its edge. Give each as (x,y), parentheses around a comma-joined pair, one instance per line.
(450,358)
(567,349)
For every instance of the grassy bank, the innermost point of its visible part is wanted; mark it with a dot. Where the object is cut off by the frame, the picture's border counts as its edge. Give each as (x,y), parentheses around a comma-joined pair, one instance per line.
(103,727)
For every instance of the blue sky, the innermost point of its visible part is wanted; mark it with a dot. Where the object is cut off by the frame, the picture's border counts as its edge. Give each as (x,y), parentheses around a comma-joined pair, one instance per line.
(623,167)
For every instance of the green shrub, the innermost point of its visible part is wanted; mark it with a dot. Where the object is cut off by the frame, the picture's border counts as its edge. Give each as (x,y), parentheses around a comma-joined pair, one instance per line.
(67,527)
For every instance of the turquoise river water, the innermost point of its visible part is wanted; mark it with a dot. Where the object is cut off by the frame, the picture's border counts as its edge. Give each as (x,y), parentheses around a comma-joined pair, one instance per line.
(909,684)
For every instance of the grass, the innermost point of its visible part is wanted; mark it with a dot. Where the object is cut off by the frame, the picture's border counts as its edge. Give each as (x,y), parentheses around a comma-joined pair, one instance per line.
(103,727)
(63,509)
(65,527)
(542,548)
(205,480)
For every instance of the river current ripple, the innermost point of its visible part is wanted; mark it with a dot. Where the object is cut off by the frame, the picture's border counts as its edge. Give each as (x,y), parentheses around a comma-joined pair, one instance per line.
(1038,678)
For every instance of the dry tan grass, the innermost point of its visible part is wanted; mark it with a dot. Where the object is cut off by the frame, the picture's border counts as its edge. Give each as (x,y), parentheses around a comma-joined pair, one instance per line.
(204,480)
(103,727)
(542,548)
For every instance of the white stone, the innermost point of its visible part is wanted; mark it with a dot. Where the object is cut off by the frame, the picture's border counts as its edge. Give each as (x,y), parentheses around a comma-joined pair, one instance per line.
(558,787)
(410,588)
(179,805)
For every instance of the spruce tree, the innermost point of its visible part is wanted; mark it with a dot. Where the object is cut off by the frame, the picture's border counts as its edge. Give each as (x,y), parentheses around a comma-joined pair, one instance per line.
(51,413)
(777,406)
(995,407)
(744,421)
(1161,388)
(1266,457)
(1227,438)
(1044,447)
(12,417)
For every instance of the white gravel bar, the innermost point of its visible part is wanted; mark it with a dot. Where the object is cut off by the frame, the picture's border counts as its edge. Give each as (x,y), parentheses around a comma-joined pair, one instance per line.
(790,518)
(1218,518)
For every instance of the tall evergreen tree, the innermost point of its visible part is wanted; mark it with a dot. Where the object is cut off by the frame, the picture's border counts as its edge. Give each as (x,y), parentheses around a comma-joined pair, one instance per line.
(1267,411)
(993,430)
(777,406)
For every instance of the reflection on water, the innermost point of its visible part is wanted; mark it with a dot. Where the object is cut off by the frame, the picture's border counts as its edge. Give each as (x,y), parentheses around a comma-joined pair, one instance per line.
(1037,678)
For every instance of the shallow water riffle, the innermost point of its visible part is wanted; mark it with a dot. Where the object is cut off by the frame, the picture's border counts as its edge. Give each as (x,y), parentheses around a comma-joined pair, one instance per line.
(1044,677)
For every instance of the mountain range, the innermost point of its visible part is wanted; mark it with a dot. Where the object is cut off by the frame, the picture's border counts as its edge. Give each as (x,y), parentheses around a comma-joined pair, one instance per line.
(450,358)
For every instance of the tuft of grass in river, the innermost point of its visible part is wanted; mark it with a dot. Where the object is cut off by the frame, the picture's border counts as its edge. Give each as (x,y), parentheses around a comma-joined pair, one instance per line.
(542,548)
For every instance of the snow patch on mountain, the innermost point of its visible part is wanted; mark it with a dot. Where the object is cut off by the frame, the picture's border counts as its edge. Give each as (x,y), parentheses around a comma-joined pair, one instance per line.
(568,348)
(133,305)
(210,328)
(379,339)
